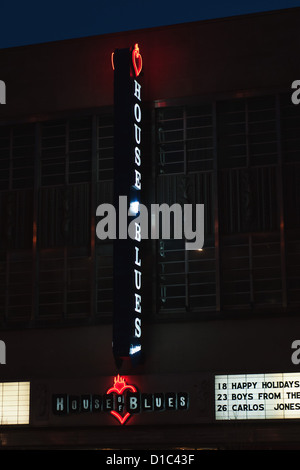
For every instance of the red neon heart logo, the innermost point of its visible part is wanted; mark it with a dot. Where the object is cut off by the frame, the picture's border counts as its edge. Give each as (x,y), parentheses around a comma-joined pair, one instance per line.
(122,419)
(120,387)
(137,60)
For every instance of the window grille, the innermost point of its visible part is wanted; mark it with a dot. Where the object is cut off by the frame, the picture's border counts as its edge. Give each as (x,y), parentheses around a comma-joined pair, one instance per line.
(64,285)
(17,156)
(66,147)
(241,159)
(105,147)
(47,195)
(104,248)
(290,128)
(238,157)
(185,139)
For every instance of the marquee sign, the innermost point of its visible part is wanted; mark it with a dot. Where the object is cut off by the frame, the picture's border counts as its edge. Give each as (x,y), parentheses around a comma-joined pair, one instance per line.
(122,400)
(127,315)
(257,396)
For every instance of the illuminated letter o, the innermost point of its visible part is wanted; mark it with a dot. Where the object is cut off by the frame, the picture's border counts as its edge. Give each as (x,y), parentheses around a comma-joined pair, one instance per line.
(137,112)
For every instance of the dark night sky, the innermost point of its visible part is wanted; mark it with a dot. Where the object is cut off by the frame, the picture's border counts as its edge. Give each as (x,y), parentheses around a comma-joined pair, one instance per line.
(32,21)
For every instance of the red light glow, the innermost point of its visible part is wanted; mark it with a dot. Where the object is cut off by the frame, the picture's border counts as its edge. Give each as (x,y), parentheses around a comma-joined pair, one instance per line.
(112,60)
(119,387)
(136,60)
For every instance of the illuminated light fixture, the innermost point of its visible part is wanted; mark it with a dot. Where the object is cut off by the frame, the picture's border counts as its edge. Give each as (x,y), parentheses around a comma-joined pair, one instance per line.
(14,403)
(135,349)
(134,207)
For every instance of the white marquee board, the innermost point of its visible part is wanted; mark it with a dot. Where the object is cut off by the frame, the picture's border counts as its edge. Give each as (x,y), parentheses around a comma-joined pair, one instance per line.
(257,396)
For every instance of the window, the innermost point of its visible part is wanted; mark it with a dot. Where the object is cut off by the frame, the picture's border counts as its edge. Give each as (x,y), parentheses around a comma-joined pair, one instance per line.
(17,156)
(104,249)
(240,158)
(66,151)
(185,149)
(290,131)
(17,171)
(53,175)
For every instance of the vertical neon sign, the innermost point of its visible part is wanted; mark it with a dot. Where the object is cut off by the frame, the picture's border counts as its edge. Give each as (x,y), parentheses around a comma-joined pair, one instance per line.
(127,315)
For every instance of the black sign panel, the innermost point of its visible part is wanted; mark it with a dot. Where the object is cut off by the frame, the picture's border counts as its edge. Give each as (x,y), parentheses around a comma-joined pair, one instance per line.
(127,315)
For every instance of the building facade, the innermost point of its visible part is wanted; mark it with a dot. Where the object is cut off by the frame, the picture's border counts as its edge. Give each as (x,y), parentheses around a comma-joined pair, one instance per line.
(220,127)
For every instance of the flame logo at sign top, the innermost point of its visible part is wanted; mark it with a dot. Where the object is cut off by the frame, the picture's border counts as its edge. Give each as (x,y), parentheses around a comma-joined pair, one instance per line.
(120,387)
(112,60)
(137,60)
